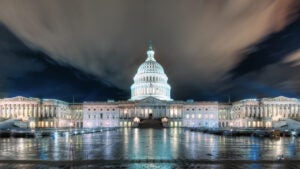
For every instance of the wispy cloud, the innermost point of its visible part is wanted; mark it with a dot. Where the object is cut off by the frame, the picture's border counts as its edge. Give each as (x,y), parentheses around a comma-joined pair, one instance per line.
(206,38)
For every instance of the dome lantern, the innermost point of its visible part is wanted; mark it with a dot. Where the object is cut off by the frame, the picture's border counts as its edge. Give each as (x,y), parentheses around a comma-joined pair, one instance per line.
(150,52)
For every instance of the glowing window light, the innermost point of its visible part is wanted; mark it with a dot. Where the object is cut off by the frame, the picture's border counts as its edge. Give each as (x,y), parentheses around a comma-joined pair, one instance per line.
(136,120)
(164,120)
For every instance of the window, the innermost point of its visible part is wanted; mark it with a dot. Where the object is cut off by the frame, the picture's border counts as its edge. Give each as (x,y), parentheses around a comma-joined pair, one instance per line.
(101,115)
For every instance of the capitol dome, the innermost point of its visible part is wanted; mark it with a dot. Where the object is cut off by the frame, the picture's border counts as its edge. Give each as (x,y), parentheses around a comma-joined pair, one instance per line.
(150,80)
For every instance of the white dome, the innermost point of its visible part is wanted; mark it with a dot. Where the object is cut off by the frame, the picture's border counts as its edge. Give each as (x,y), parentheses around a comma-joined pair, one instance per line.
(150,67)
(150,80)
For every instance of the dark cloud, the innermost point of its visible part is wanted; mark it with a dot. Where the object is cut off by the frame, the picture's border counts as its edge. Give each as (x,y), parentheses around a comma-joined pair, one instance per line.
(32,73)
(270,81)
(273,49)
(15,60)
(269,68)
(197,41)
(65,83)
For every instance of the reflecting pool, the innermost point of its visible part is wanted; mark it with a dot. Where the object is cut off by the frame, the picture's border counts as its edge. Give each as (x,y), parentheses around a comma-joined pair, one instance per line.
(153,144)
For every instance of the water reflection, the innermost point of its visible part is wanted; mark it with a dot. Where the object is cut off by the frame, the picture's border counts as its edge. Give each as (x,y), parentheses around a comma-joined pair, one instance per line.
(149,144)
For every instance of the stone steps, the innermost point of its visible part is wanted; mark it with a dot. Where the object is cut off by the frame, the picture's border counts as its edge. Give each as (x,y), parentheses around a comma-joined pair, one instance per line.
(150,123)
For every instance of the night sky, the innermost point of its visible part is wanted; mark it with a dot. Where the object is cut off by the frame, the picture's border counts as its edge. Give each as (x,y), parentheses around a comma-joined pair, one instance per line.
(90,50)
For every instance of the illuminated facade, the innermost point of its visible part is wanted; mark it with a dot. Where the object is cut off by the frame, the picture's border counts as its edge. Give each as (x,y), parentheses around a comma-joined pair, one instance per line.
(150,99)
(200,114)
(263,113)
(100,114)
(34,112)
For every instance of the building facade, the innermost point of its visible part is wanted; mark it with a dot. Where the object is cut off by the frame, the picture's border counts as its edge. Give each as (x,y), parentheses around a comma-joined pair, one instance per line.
(263,113)
(150,99)
(48,113)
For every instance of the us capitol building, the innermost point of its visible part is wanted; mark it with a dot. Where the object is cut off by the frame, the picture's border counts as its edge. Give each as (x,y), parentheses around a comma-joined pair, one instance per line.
(150,99)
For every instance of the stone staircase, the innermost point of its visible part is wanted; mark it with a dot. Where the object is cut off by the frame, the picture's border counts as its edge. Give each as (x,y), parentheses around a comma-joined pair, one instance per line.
(6,124)
(150,123)
(288,124)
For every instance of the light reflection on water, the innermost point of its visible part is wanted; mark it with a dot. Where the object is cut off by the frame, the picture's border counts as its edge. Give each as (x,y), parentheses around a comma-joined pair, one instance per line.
(149,144)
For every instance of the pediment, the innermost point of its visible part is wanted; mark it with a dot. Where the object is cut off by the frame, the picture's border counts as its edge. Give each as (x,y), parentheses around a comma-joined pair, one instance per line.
(282,98)
(18,98)
(150,100)
(279,98)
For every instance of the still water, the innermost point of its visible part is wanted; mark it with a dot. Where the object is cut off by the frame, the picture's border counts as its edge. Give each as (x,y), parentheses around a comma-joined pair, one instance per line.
(149,144)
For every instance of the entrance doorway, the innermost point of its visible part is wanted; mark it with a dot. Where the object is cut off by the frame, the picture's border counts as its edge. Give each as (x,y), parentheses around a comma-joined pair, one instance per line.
(150,115)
